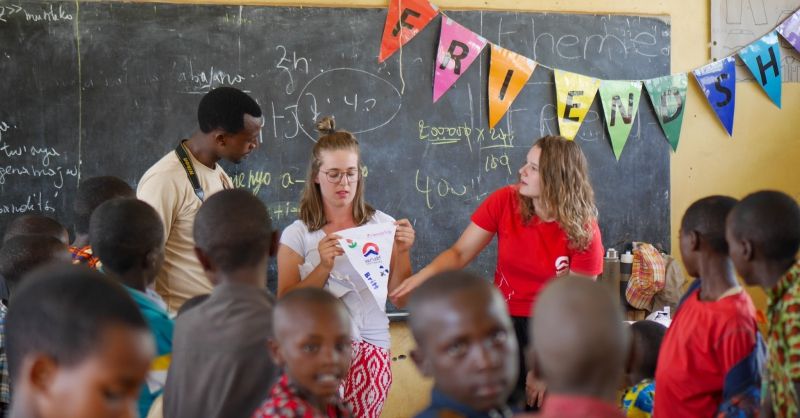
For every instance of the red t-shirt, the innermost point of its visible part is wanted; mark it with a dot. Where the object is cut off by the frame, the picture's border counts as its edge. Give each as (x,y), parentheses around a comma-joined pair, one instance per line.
(703,342)
(530,255)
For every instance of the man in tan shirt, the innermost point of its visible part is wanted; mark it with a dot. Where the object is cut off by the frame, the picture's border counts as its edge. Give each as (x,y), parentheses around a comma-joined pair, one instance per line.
(230,127)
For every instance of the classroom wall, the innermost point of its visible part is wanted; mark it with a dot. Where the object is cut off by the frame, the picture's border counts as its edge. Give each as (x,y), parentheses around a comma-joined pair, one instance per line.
(762,154)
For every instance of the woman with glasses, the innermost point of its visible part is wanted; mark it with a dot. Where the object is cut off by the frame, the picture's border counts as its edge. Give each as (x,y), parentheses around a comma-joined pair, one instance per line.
(546,227)
(310,256)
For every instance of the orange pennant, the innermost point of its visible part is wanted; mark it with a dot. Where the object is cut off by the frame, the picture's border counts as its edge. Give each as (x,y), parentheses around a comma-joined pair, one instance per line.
(508,73)
(405,20)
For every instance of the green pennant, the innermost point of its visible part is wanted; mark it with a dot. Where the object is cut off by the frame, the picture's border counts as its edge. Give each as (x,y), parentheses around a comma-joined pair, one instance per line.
(620,103)
(668,95)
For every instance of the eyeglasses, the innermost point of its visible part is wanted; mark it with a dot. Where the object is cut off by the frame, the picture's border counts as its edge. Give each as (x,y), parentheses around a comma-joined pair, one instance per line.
(335,176)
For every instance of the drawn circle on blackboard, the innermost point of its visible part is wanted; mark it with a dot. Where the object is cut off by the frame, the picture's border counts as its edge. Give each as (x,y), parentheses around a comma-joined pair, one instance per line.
(372,106)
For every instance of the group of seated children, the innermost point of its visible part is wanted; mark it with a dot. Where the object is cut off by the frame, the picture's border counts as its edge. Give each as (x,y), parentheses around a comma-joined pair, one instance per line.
(84,343)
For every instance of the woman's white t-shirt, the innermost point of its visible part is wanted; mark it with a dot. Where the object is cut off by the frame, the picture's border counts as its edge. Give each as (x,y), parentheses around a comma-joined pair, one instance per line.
(370,322)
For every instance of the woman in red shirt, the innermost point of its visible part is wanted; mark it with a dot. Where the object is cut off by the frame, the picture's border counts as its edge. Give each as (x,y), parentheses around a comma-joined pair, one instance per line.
(546,227)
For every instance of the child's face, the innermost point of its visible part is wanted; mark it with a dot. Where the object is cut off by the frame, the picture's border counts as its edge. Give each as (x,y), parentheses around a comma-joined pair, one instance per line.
(470,350)
(316,350)
(106,384)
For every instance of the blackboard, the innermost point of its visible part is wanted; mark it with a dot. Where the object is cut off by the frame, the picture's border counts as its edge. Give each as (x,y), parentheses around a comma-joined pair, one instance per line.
(108,88)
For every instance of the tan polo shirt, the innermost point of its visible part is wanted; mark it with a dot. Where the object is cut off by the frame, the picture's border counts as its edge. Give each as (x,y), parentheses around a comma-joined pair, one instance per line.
(166,187)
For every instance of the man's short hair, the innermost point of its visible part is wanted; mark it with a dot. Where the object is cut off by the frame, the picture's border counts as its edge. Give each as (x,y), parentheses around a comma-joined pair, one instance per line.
(92,192)
(24,253)
(62,313)
(34,224)
(707,217)
(123,231)
(233,229)
(224,108)
(771,220)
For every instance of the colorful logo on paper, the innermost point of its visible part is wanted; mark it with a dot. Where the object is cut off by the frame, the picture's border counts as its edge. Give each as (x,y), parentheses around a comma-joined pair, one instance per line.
(790,30)
(763,58)
(508,74)
(718,82)
(458,48)
(370,249)
(620,101)
(406,18)
(372,259)
(574,94)
(668,95)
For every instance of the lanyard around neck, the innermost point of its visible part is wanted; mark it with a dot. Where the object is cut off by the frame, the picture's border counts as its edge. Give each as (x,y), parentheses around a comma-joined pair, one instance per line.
(187,165)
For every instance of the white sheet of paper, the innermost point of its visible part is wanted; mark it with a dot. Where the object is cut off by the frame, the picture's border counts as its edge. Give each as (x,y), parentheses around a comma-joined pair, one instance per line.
(369,250)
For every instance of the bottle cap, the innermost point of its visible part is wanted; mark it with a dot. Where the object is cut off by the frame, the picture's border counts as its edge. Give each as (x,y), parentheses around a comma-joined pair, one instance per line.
(611,253)
(626,258)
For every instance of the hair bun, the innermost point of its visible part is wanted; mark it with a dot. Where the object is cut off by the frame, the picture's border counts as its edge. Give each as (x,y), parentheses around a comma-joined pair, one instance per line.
(326,125)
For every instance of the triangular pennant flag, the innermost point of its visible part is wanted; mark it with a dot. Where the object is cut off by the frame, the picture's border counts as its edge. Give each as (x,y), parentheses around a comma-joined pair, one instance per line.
(763,58)
(718,82)
(508,73)
(668,95)
(574,94)
(458,48)
(790,30)
(405,20)
(369,250)
(620,101)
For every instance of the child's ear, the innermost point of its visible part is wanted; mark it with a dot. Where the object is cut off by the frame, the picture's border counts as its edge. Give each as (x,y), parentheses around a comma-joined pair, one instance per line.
(275,352)
(273,246)
(203,259)
(153,260)
(748,252)
(421,361)
(41,372)
(694,240)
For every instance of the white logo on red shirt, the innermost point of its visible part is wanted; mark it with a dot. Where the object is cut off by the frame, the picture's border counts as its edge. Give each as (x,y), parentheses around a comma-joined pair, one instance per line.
(562,265)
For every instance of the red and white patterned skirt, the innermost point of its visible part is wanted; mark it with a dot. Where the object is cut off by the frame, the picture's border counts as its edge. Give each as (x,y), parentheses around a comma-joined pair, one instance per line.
(368,380)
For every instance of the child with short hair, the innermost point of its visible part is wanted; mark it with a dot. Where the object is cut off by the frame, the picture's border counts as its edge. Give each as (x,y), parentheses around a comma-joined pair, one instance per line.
(311,342)
(93,192)
(127,236)
(638,399)
(466,343)
(35,224)
(710,359)
(221,366)
(763,234)
(78,346)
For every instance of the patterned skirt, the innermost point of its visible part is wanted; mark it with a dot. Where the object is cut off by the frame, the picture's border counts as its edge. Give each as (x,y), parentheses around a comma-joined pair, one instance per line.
(368,380)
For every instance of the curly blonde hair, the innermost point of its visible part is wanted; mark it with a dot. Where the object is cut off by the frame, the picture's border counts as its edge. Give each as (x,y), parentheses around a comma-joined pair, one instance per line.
(312,211)
(566,193)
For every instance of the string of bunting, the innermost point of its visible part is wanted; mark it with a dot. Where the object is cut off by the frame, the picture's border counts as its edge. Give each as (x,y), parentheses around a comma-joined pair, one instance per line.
(509,72)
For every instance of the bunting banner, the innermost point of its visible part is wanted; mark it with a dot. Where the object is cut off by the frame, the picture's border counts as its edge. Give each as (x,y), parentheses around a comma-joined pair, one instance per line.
(620,100)
(763,58)
(574,94)
(790,30)
(458,48)
(369,250)
(508,73)
(668,95)
(718,82)
(406,18)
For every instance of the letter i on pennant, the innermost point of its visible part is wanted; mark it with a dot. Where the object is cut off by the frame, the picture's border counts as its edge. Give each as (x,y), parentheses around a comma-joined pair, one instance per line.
(458,48)
(508,73)
(406,18)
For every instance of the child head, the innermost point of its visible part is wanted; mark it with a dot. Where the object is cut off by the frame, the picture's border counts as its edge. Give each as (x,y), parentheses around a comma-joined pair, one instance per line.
(702,233)
(335,168)
(312,342)
(92,192)
(24,253)
(77,346)
(465,339)
(36,225)
(233,233)
(763,233)
(647,337)
(128,237)
(556,176)
(579,342)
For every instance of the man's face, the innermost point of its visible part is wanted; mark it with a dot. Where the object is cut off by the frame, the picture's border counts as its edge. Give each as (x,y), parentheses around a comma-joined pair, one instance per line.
(236,147)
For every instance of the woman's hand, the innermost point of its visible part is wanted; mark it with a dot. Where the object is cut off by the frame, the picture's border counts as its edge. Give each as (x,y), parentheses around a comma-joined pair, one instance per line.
(398,295)
(329,249)
(404,236)
(534,390)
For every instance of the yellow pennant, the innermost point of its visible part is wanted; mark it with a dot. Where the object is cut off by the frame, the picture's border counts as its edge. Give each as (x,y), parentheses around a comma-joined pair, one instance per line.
(508,73)
(574,95)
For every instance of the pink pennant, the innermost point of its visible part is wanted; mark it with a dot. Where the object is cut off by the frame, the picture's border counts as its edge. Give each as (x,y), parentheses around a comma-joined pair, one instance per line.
(458,48)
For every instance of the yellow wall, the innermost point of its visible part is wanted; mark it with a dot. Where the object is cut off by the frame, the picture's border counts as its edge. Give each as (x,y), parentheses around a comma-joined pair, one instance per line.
(708,162)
